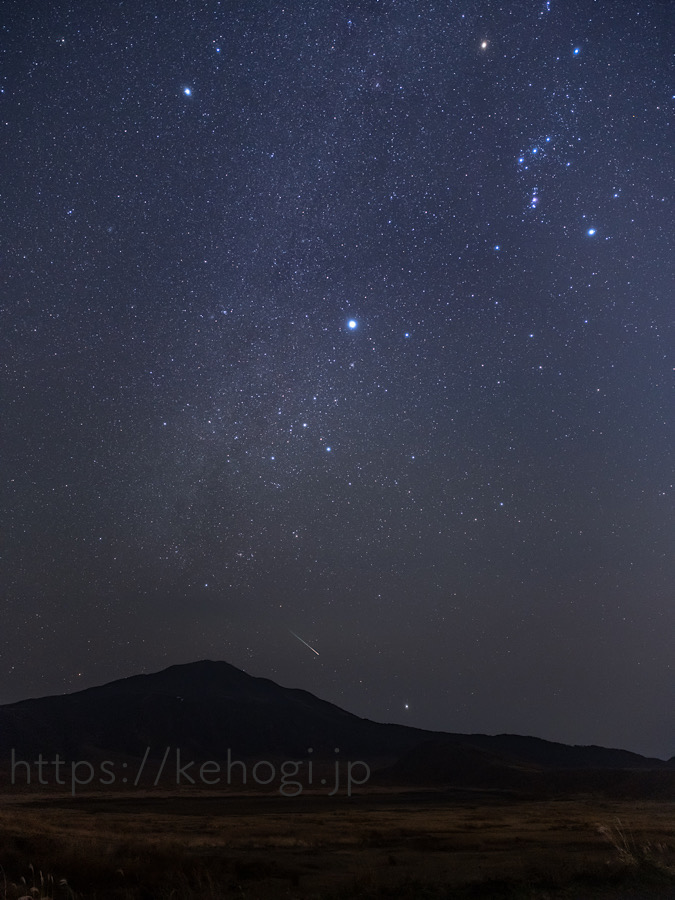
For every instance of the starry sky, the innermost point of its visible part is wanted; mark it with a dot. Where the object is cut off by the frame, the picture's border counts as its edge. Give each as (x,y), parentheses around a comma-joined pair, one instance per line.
(335,343)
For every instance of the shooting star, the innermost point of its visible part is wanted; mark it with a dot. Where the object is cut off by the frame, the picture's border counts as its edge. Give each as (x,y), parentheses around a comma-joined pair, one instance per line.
(304,642)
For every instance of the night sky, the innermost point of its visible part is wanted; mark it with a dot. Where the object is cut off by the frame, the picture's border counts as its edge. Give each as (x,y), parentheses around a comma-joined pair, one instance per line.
(345,323)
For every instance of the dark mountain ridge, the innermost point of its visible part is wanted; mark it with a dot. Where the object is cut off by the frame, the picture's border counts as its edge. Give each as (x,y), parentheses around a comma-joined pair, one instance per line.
(206,707)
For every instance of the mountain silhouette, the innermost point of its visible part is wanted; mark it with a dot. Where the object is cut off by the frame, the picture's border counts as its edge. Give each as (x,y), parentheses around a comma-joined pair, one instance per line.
(203,708)
(206,707)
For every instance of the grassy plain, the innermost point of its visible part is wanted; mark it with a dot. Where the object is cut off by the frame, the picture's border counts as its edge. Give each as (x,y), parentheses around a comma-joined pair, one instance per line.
(376,844)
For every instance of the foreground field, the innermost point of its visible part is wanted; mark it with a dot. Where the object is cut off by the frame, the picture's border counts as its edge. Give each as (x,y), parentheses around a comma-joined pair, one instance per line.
(374,845)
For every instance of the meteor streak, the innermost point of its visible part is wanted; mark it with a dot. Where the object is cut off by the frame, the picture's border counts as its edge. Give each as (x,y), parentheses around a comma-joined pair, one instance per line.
(304,642)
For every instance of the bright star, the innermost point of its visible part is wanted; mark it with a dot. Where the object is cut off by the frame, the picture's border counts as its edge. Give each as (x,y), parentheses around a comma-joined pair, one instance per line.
(577,51)
(590,232)
(352,324)
(187,92)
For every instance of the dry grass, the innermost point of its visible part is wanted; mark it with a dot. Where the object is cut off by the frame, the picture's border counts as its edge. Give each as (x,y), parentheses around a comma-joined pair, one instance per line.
(374,846)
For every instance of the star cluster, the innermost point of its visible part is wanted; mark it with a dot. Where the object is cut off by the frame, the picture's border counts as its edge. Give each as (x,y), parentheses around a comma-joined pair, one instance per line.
(349,320)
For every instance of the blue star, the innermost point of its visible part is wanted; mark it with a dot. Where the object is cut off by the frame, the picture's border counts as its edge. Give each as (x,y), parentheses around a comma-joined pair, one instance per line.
(591,232)
(352,323)
(187,92)
(576,51)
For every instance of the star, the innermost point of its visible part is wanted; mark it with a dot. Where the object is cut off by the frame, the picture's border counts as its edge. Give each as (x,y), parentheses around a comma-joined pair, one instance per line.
(187,91)
(352,324)
(591,232)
